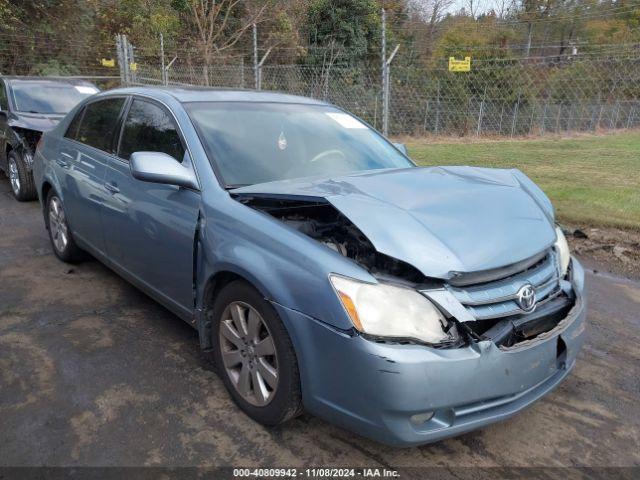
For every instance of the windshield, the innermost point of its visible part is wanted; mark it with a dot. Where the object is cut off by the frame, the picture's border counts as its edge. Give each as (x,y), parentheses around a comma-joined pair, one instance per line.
(48,98)
(262,142)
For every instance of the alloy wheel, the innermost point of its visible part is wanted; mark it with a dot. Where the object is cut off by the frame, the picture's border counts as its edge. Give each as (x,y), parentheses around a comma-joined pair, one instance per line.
(58,225)
(248,353)
(14,176)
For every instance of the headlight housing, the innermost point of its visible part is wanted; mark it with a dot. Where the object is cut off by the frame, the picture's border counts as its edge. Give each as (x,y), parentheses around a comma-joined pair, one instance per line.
(389,311)
(562,250)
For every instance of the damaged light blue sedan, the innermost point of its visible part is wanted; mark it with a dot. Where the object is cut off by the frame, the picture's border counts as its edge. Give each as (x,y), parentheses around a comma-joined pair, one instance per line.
(321,267)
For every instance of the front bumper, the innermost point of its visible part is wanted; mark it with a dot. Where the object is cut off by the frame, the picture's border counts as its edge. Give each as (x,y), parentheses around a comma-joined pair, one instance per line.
(375,389)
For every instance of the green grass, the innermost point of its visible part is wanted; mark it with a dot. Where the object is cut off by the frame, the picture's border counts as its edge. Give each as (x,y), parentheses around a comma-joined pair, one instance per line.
(592,180)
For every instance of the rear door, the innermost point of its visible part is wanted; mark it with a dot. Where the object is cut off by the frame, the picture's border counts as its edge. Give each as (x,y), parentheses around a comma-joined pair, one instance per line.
(149,227)
(4,109)
(81,164)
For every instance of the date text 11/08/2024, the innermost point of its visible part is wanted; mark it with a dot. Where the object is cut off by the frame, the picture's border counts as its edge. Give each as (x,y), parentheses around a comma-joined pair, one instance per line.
(314,473)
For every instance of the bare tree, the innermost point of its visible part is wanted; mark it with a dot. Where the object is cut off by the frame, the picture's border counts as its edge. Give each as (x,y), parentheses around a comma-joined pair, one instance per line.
(503,7)
(331,54)
(474,7)
(214,33)
(430,12)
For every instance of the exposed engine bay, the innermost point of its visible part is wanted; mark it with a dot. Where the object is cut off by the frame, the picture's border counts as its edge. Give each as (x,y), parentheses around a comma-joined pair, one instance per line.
(320,220)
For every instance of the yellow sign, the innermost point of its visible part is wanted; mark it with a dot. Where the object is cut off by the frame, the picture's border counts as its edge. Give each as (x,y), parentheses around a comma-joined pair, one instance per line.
(459,65)
(133,66)
(108,63)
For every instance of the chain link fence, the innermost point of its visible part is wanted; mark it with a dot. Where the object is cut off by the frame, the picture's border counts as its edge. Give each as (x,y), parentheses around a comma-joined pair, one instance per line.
(497,97)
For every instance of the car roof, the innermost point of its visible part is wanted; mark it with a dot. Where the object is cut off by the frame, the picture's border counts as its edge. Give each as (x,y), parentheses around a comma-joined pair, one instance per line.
(42,80)
(207,94)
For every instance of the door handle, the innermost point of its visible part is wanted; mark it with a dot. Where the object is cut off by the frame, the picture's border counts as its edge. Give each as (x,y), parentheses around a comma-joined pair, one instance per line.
(111,188)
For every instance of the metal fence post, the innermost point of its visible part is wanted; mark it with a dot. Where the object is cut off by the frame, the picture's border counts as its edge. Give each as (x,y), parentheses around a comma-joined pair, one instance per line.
(133,76)
(256,74)
(484,96)
(121,60)
(385,119)
(163,75)
(437,126)
(259,69)
(515,116)
(387,91)
(426,116)
(124,46)
(544,117)
(558,118)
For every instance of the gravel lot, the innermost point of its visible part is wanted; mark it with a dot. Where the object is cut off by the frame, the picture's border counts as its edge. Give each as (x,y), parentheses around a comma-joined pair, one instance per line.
(94,373)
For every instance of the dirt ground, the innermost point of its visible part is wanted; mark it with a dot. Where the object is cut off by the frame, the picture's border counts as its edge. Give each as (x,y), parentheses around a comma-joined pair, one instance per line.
(615,249)
(94,373)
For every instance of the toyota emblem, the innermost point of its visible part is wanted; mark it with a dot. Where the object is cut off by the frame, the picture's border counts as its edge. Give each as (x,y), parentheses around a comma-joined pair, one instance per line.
(526,298)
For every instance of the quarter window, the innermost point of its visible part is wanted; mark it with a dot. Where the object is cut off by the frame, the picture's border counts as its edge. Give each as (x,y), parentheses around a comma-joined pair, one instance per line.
(99,124)
(149,128)
(72,130)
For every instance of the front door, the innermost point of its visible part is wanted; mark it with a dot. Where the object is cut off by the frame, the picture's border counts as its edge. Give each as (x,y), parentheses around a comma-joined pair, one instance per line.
(149,228)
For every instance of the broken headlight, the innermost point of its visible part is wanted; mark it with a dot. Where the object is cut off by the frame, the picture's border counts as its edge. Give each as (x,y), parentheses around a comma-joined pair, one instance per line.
(388,311)
(562,249)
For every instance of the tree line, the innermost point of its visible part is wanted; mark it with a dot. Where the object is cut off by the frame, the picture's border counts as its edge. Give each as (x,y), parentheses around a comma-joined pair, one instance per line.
(53,36)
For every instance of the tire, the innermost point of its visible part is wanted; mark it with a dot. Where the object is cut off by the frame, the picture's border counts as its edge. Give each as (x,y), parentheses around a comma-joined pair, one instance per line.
(271,402)
(21,179)
(60,235)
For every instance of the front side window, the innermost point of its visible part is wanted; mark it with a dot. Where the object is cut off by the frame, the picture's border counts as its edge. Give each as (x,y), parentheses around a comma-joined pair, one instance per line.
(149,128)
(99,123)
(34,96)
(251,143)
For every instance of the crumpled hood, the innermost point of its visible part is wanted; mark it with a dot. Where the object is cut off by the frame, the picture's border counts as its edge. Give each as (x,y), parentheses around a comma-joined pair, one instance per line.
(35,121)
(441,220)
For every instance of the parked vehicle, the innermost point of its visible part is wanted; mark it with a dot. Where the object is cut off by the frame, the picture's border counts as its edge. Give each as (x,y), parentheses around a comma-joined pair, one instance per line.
(28,107)
(320,265)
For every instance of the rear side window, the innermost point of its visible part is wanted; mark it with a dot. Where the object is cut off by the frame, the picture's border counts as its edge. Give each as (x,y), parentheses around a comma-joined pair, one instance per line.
(4,104)
(72,130)
(99,124)
(150,128)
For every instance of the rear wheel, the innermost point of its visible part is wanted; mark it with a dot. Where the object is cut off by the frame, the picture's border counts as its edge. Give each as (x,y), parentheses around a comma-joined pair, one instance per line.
(60,235)
(255,356)
(22,184)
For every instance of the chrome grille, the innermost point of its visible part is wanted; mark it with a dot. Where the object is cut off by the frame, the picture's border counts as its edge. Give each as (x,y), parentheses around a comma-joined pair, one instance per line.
(497,298)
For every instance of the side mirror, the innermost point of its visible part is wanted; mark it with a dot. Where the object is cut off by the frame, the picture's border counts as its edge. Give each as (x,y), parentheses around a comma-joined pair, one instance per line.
(402,147)
(157,167)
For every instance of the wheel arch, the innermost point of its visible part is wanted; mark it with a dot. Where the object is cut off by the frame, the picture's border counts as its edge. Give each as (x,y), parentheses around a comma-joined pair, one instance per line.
(44,191)
(216,282)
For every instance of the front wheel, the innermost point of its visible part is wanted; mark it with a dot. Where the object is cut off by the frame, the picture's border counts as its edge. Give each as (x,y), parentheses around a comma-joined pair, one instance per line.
(22,184)
(254,355)
(60,235)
